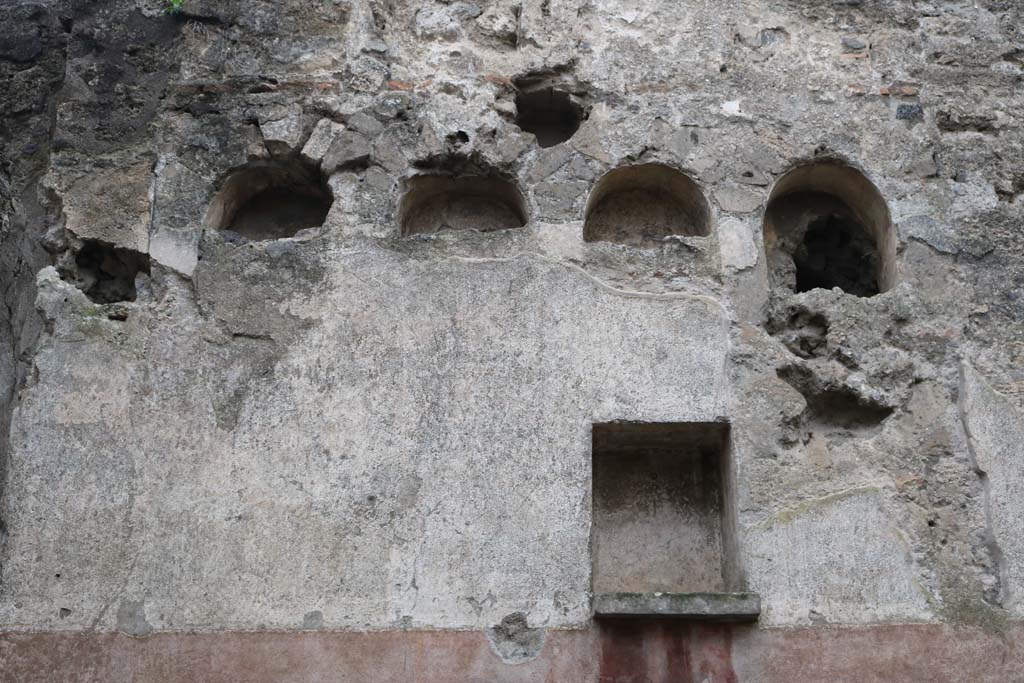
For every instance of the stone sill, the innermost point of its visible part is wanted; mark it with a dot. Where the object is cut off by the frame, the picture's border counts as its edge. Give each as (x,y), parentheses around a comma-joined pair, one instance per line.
(695,606)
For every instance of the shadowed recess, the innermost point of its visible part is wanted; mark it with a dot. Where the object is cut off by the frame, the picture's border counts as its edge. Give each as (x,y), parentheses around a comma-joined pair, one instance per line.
(828,226)
(435,202)
(661,498)
(270,200)
(643,204)
(104,272)
(834,408)
(549,113)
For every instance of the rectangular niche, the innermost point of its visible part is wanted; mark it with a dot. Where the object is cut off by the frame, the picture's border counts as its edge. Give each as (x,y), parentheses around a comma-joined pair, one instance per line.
(663,519)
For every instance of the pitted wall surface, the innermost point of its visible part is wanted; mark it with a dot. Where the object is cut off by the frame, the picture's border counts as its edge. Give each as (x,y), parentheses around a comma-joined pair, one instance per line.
(359,431)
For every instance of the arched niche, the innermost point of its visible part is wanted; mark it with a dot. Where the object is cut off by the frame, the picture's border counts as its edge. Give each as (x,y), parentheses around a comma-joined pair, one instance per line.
(269,200)
(642,204)
(827,226)
(440,201)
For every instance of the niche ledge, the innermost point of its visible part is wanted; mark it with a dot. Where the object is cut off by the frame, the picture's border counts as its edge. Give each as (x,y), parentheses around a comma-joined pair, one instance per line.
(693,606)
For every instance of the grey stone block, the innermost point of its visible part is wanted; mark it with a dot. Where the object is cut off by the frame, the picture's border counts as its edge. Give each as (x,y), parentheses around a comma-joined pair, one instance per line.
(698,606)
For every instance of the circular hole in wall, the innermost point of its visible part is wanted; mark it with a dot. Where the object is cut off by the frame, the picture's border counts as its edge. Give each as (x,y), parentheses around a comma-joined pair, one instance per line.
(828,226)
(642,204)
(551,114)
(271,200)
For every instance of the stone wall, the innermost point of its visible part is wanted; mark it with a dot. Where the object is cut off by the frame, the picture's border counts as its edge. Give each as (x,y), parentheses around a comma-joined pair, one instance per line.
(310,309)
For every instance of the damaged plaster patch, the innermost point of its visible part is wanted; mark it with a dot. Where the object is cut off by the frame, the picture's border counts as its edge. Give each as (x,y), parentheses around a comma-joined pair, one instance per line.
(312,621)
(178,206)
(945,236)
(514,641)
(737,246)
(804,332)
(994,430)
(732,108)
(925,228)
(131,618)
(833,408)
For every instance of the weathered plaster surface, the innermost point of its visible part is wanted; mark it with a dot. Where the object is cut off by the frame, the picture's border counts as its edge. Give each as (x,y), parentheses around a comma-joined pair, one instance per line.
(351,430)
(837,559)
(995,434)
(398,461)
